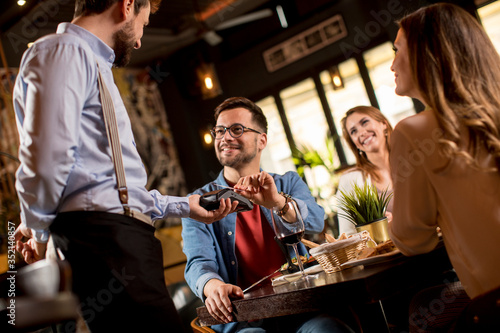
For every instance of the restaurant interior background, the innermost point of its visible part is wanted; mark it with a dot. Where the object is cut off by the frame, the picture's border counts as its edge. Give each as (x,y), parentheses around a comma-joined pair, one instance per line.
(305,63)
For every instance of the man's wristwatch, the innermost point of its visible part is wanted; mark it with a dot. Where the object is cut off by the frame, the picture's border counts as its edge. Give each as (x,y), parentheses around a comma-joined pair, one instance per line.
(284,210)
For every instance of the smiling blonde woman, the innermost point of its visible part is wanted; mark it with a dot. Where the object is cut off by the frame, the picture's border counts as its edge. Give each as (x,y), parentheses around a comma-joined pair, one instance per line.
(367,132)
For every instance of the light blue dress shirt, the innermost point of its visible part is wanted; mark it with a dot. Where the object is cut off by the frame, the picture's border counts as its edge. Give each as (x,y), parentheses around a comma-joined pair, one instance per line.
(64,151)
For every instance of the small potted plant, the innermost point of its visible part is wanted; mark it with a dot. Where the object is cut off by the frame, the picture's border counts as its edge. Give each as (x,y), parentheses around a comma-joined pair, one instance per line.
(365,207)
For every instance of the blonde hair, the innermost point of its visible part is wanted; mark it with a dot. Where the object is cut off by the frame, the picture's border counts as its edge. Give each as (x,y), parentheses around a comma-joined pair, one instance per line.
(362,161)
(457,71)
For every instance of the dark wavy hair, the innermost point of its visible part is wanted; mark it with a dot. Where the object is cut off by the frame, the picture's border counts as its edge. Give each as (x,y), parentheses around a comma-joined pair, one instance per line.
(89,7)
(457,71)
(362,161)
(241,102)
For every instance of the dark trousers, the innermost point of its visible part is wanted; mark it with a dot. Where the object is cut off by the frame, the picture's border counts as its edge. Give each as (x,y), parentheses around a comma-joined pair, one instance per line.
(117,271)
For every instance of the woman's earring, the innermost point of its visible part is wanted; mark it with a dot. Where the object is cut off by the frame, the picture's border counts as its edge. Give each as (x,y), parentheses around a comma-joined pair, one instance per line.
(360,152)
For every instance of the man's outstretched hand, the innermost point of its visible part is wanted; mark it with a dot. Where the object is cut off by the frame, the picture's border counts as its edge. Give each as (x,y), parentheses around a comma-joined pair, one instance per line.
(260,189)
(206,216)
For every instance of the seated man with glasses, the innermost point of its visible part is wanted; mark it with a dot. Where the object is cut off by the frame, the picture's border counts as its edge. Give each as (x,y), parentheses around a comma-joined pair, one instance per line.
(233,253)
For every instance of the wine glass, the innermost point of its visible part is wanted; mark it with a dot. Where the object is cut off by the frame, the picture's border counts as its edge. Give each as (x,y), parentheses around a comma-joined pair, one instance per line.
(289,228)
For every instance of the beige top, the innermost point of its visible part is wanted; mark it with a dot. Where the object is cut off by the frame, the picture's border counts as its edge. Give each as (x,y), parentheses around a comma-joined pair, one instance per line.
(463,202)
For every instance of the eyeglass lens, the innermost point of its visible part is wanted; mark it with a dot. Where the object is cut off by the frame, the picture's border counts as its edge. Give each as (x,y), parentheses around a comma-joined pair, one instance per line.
(235,131)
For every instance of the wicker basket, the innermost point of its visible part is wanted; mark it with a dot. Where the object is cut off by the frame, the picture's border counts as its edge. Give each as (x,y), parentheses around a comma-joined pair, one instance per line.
(331,255)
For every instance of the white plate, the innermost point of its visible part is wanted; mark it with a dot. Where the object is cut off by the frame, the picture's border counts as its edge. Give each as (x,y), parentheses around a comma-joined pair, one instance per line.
(297,275)
(371,260)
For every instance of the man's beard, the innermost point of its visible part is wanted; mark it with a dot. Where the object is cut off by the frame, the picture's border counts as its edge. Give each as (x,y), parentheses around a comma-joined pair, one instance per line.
(240,159)
(124,44)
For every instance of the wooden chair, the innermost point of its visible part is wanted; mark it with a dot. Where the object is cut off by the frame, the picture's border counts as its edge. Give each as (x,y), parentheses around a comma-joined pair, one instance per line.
(43,296)
(195,325)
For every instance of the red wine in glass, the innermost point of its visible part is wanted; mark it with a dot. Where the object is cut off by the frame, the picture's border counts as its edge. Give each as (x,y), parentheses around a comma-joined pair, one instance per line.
(293,238)
(289,228)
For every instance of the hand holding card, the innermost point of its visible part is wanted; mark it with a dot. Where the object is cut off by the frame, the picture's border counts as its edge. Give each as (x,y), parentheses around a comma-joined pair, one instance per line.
(211,200)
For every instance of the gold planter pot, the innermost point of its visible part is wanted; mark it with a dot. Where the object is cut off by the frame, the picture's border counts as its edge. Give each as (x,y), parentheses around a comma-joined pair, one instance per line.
(377,229)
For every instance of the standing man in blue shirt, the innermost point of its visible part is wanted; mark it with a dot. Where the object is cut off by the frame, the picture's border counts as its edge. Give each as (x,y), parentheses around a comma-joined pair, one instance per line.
(67,184)
(231,254)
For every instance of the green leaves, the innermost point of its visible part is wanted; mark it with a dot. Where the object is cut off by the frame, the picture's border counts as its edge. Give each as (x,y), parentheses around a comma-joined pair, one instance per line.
(306,155)
(363,204)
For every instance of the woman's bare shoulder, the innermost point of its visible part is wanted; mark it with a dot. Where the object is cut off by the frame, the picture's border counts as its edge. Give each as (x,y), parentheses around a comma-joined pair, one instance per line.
(420,122)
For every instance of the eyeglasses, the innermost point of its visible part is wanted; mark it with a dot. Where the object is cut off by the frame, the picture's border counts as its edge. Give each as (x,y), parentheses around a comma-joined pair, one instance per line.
(235,130)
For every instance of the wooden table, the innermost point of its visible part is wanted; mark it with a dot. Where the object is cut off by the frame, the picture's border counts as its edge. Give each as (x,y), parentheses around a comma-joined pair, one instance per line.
(354,286)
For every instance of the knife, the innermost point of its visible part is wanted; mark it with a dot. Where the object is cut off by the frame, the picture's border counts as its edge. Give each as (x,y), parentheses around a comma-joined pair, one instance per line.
(263,279)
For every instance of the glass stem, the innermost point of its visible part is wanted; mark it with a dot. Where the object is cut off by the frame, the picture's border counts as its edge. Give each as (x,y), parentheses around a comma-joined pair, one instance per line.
(299,261)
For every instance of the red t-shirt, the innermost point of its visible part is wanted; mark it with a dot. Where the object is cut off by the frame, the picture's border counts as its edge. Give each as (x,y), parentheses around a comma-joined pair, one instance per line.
(257,252)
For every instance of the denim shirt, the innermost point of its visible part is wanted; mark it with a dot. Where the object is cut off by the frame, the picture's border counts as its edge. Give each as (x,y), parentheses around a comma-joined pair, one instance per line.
(210,249)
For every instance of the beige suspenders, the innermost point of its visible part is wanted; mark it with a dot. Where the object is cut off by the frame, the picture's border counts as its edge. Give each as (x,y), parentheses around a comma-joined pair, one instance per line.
(116,149)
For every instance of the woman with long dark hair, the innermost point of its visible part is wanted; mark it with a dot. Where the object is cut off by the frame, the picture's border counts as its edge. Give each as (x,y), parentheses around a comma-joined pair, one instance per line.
(446,159)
